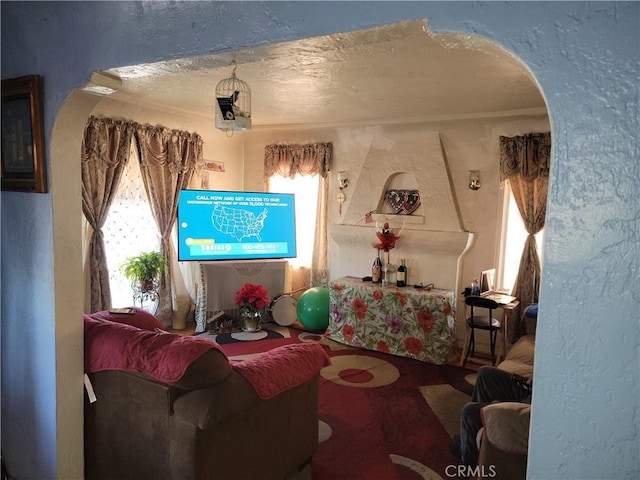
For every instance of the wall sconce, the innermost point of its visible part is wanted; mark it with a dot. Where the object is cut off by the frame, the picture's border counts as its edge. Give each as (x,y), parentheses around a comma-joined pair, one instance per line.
(474,179)
(343,180)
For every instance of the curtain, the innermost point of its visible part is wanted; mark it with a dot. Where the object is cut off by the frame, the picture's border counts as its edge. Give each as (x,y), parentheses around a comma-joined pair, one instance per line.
(524,162)
(319,272)
(168,159)
(291,160)
(309,159)
(104,154)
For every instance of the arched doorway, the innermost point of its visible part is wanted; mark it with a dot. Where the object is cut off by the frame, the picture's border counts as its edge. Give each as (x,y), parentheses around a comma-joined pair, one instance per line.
(66,140)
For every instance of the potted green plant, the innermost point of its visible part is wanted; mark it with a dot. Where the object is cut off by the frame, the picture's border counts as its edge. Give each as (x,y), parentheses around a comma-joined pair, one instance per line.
(144,269)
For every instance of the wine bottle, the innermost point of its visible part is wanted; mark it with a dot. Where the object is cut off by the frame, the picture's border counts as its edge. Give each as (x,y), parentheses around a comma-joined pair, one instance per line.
(401,274)
(376,270)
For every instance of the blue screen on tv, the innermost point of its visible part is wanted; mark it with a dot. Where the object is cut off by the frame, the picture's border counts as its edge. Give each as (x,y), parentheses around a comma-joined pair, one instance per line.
(223,225)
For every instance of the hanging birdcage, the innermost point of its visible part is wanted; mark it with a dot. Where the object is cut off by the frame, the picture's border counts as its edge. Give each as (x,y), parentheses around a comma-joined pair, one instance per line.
(233,104)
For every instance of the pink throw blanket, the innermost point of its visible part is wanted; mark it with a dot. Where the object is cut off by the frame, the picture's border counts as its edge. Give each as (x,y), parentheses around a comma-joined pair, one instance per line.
(140,318)
(118,346)
(283,368)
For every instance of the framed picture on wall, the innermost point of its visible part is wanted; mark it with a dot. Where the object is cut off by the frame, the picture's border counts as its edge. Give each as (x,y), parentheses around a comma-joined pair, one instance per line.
(23,156)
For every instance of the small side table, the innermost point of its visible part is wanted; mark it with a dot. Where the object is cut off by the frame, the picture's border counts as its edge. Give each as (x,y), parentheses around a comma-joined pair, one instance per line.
(147,298)
(507,313)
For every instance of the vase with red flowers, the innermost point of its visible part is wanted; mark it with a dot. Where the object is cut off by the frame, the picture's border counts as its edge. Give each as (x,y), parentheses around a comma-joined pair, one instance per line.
(252,300)
(387,239)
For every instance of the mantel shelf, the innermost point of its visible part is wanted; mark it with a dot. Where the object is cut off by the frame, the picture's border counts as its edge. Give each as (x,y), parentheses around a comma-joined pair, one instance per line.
(412,219)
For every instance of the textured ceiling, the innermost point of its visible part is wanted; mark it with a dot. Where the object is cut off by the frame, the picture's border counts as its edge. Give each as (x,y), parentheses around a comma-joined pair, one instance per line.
(398,73)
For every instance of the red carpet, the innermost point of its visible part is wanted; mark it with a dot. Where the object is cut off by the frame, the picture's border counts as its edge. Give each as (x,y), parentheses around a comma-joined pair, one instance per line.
(375,421)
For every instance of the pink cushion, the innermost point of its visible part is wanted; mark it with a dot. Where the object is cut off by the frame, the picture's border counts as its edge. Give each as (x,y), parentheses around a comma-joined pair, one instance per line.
(118,346)
(283,368)
(141,318)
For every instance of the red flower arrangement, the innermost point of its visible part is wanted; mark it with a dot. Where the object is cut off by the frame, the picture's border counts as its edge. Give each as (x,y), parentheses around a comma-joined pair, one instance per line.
(387,239)
(252,298)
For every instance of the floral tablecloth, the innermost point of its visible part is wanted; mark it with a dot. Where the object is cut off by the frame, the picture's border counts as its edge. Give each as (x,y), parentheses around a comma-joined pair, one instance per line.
(409,322)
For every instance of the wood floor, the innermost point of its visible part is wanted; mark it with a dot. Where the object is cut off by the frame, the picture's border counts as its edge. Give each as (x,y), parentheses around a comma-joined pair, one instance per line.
(188,330)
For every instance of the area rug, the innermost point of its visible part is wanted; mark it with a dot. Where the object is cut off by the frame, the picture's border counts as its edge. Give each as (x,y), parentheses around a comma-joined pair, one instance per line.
(382,417)
(242,345)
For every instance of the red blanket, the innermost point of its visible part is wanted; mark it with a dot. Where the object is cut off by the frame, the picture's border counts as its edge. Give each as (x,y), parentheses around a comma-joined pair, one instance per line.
(139,318)
(118,346)
(283,368)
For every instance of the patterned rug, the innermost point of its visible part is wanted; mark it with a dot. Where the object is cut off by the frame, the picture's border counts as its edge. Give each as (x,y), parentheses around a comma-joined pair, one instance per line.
(381,416)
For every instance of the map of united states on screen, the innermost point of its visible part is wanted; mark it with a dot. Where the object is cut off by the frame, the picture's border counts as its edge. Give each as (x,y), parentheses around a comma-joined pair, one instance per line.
(237,222)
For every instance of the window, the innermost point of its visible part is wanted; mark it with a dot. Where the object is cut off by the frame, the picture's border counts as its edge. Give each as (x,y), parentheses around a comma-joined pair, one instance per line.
(305,188)
(129,230)
(512,241)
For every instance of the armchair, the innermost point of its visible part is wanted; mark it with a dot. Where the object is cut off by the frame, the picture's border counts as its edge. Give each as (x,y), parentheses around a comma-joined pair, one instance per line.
(505,434)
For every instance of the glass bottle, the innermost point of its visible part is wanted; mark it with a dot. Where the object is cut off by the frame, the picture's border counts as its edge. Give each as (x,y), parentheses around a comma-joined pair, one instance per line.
(391,273)
(401,274)
(376,270)
(385,274)
(475,288)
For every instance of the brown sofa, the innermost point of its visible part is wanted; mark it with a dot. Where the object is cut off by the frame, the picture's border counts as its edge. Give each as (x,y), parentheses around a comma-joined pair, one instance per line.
(210,423)
(505,437)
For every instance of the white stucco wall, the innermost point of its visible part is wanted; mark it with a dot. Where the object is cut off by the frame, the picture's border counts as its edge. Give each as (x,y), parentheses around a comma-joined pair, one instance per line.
(431,255)
(584,56)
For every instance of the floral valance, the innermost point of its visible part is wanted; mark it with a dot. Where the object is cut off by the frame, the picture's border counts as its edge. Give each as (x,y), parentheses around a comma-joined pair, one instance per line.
(164,145)
(291,160)
(177,150)
(527,155)
(107,141)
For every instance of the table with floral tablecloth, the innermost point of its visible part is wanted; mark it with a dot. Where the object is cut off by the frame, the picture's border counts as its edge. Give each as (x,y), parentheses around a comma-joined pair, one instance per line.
(410,322)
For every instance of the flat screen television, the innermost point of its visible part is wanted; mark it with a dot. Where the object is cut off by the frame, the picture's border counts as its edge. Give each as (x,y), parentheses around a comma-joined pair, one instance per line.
(231,225)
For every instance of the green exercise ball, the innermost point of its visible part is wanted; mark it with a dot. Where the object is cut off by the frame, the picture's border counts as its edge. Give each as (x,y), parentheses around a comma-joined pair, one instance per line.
(313,309)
